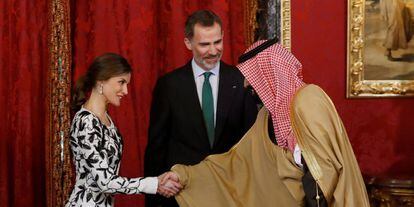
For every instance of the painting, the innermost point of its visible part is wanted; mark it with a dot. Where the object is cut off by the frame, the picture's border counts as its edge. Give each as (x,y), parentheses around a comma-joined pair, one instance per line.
(380,48)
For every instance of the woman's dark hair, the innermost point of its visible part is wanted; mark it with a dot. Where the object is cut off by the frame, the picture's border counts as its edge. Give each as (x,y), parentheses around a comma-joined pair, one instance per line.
(102,68)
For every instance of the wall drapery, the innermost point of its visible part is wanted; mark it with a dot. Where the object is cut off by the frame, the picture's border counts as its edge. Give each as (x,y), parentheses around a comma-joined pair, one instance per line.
(23,83)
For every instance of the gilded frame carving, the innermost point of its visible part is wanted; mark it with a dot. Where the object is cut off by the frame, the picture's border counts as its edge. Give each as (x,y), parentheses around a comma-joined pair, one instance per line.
(58,163)
(357,85)
(285,25)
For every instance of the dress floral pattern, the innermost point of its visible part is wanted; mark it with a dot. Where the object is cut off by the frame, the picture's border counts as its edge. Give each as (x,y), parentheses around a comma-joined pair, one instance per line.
(97,151)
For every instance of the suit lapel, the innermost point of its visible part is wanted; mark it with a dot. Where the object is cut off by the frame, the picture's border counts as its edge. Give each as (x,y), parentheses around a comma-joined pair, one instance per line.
(226,90)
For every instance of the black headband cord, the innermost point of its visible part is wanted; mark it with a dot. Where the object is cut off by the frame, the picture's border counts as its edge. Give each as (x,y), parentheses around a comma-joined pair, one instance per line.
(257,49)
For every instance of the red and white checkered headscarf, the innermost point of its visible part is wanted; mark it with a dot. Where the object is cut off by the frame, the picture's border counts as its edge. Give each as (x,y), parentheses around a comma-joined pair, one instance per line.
(275,74)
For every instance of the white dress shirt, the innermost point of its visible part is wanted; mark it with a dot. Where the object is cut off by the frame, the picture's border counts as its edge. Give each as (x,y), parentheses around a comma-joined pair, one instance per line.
(297,155)
(214,82)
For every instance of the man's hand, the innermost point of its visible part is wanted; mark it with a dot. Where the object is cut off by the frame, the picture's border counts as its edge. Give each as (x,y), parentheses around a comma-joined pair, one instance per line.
(168,184)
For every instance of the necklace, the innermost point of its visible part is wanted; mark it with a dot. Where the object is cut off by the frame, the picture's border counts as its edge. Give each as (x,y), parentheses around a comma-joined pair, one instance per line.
(101,116)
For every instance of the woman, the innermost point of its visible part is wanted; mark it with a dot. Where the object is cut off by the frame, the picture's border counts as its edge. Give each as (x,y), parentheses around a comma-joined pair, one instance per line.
(97,144)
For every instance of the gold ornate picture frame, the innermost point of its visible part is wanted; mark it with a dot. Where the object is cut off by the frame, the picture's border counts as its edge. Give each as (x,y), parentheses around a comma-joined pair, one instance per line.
(278,21)
(285,25)
(374,67)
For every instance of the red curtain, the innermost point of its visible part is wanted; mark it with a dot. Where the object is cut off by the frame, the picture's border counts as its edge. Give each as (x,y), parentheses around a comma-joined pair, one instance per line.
(23,71)
(150,35)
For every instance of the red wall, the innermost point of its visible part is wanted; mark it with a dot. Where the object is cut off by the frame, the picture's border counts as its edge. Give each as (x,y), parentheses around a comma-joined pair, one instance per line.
(380,129)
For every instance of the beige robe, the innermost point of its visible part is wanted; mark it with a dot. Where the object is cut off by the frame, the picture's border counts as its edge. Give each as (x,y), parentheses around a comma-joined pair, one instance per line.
(255,172)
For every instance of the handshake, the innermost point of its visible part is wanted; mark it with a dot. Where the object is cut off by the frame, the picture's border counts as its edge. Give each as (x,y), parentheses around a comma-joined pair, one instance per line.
(168,184)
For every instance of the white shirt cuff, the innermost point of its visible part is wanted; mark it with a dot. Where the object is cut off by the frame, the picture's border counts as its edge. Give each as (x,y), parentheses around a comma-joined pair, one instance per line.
(149,185)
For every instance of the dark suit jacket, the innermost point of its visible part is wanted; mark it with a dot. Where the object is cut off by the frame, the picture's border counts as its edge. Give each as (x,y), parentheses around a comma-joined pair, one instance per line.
(177,133)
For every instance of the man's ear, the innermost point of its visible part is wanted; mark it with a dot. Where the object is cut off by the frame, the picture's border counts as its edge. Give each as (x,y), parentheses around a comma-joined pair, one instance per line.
(187,43)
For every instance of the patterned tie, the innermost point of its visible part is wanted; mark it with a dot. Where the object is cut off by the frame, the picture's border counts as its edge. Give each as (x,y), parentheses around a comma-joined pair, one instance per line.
(208,107)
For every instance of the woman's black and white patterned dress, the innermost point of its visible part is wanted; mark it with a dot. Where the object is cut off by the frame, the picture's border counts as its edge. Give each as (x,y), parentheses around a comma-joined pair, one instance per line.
(97,151)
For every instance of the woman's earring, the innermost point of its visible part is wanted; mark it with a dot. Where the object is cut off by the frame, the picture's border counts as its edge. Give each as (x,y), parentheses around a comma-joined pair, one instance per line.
(101,89)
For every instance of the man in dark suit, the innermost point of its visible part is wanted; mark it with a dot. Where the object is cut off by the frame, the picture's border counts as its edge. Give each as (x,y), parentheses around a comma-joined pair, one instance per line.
(199,109)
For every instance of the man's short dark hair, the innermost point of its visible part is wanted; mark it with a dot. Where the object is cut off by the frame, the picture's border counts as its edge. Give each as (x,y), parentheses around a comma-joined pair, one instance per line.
(205,18)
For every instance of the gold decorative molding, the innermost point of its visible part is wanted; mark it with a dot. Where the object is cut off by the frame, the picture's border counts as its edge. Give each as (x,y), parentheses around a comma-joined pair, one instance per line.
(251,7)
(391,192)
(285,30)
(59,168)
(357,86)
